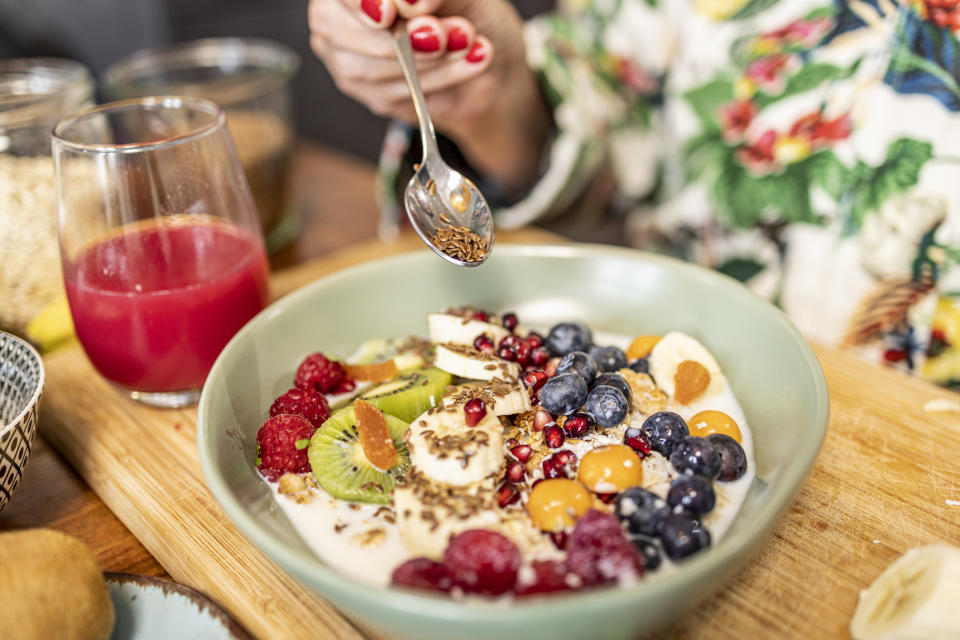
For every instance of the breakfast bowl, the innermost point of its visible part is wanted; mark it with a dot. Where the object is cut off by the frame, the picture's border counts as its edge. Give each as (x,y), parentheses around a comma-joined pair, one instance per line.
(21,384)
(768,365)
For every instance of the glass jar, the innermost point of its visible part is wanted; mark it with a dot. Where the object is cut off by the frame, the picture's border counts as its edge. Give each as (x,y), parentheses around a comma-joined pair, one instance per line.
(250,80)
(34,94)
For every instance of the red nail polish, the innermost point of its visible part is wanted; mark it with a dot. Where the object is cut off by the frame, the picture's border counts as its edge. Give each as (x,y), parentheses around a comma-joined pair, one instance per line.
(373,9)
(456,39)
(477,53)
(425,40)
(411,1)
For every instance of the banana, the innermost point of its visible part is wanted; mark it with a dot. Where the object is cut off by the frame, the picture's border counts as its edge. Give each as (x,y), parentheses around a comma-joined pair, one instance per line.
(52,327)
(501,398)
(467,362)
(445,450)
(445,327)
(915,598)
(674,348)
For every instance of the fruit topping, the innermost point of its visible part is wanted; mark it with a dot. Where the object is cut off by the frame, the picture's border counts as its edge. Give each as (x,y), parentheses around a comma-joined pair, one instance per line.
(409,395)
(648,548)
(559,465)
(579,363)
(598,552)
(534,339)
(422,573)
(642,346)
(694,455)
(690,381)
(507,494)
(607,406)
(733,459)
(568,336)
(610,469)
(509,321)
(642,511)
(534,380)
(554,504)
(516,471)
(481,561)
(376,372)
(539,356)
(638,440)
(641,365)
(683,534)
(541,419)
(553,436)
(473,411)
(577,425)
(522,452)
(507,352)
(306,403)
(563,394)
(609,358)
(693,493)
(483,343)
(545,576)
(615,380)
(375,438)
(708,422)
(665,429)
(282,443)
(318,373)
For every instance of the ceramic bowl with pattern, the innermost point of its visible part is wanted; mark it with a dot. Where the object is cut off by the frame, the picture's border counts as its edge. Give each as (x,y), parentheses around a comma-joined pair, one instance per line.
(21,385)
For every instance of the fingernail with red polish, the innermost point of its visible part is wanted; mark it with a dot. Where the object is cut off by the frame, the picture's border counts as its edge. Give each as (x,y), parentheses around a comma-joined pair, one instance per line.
(456,39)
(411,1)
(373,9)
(477,53)
(424,39)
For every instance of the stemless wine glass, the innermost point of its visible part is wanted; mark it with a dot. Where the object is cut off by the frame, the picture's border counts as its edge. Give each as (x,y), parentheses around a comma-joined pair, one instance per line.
(163,258)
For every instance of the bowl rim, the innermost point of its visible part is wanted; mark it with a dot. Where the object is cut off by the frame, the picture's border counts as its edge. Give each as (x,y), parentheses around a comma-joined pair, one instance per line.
(38,390)
(737,545)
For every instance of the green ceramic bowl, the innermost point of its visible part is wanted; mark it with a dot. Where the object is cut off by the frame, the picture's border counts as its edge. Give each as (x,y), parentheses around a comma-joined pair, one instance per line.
(770,366)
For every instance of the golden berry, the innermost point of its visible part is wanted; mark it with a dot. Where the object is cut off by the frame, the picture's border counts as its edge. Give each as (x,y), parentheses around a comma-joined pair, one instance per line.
(642,346)
(556,504)
(707,422)
(611,469)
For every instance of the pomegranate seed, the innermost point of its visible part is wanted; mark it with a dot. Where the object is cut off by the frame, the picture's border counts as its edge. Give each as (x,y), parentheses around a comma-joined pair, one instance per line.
(522,452)
(566,457)
(523,354)
(638,440)
(559,539)
(483,343)
(509,321)
(553,469)
(516,471)
(507,494)
(534,379)
(510,341)
(551,367)
(541,419)
(577,425)
(606,498)
(512,443)
(507,352)
(539,356)
(482,316)
(474,411)
(534,339)
(553,436)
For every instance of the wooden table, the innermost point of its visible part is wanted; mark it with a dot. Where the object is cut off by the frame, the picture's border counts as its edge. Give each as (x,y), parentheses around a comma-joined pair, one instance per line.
(882,484)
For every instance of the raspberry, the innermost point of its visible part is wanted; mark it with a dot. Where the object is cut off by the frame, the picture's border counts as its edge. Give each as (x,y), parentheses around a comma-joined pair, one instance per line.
(422,573)
(318,373)
(282,446)
(599,553)
(305,403)
(481,561)
(548,576)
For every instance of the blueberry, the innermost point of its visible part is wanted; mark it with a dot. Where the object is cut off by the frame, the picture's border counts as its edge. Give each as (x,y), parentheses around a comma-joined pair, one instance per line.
(733,459)
(641,365)
(566,337)
(649,549)
(609,358)
(641,511)
(665,429)
(579,363)
(696,455)
(606,405)
(615,380)
(682,535)
(563,394)
(693,493)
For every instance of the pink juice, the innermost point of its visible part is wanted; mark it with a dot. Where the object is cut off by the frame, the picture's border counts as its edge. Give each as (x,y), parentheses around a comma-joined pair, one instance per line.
(154,306)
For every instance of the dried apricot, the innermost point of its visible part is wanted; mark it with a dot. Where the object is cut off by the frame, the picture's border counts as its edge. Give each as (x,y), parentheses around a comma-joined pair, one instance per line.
(377,372)
(374,436)
(690,381)
(642,346)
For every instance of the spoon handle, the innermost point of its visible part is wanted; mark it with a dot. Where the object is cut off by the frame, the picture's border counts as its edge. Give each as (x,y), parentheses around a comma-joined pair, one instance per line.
(428,137)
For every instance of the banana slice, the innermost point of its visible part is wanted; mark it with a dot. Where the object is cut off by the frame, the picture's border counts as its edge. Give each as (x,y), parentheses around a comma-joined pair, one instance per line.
(676,348)
(915,598)
(467,362)
(445,327)
(445,450)
(502,398)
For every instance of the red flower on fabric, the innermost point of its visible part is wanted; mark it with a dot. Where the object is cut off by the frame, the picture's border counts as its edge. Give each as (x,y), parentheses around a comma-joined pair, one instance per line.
(735,117)
(943,13)
(806,33)
(758,157)
(821,131)
(768,72)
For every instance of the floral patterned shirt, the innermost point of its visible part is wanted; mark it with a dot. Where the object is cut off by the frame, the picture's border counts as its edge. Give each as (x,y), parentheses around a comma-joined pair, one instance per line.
(809,148)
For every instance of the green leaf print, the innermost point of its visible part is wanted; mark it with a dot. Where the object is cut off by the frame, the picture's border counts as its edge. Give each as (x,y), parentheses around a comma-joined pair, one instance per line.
(752,8)
(706,99)
(827,172)
(808,77)
(870,186)
(741,268)
(746,199)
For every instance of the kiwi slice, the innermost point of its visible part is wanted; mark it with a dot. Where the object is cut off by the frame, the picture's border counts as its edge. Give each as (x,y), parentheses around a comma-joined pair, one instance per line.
(409,395)
(337,460)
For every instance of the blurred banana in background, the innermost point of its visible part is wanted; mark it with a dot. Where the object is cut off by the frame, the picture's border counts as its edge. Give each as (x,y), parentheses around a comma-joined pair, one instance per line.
(52,328)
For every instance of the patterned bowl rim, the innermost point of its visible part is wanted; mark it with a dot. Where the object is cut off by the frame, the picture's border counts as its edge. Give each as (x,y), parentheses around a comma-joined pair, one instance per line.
(35,398)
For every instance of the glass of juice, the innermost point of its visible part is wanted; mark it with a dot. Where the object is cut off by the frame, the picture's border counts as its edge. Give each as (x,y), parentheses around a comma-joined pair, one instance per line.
(163,257)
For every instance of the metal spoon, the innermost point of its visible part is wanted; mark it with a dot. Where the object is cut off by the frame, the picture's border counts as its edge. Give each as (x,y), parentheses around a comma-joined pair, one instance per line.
(446,210)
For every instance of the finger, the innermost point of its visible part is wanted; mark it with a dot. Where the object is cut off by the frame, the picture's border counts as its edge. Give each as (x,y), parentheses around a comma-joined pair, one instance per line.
(412,8)
(460,34)
(360,68)
(342,28)
(427,37)
(379,14)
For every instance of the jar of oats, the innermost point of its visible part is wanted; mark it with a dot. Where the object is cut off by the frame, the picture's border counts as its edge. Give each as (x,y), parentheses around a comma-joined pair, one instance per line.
(34,94)
(250,79)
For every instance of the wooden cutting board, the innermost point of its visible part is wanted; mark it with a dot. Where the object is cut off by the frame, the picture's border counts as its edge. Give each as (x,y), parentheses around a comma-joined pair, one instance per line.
(887,479)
